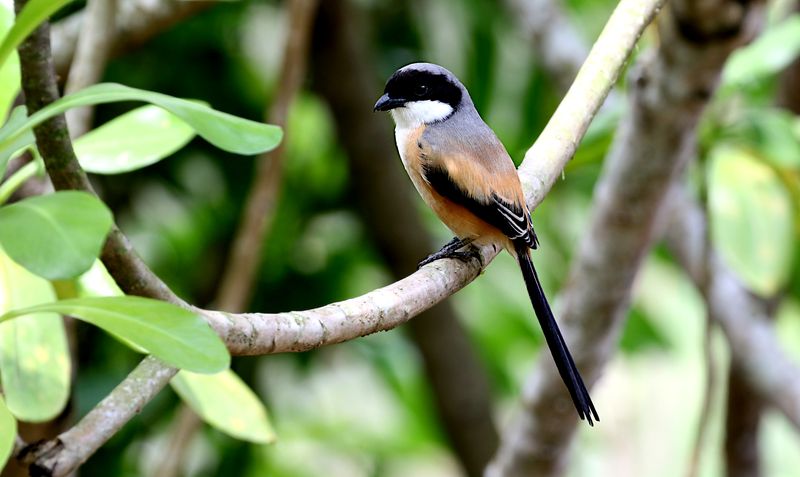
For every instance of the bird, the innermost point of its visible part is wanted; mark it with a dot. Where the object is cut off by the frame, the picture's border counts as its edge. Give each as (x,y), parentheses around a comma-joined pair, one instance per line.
(464,173)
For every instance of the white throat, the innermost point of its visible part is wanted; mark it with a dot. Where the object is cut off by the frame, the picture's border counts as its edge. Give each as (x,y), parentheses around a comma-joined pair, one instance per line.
(417,113)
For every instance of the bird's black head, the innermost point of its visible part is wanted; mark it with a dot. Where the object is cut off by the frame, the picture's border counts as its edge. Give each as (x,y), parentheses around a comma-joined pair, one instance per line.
(420,82)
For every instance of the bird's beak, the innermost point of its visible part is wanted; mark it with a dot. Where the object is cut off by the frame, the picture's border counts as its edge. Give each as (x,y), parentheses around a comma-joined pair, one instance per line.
(385,103)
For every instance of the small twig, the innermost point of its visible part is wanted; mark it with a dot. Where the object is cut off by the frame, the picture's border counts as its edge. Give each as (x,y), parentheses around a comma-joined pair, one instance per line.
(89,62)
(10,185)
(708,399)
(184,426)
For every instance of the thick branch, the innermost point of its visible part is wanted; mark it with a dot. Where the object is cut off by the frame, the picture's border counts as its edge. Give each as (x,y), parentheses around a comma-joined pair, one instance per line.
(653,143)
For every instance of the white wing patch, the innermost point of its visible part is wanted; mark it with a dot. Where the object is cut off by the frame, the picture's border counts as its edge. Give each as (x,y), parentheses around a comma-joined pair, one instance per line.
(518,221)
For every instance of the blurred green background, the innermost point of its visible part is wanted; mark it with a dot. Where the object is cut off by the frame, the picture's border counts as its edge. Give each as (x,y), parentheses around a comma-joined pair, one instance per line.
(364,408)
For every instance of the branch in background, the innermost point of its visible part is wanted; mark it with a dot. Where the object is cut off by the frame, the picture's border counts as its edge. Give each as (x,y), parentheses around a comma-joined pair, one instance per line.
(296,331)
(669,89)
(742,422)
(457,379)
(555,42)
(706,409)
(183,428)
(136,22)
(755,349)
(238,280)
(239,277)
(545,160)
(745,406)
(89,62)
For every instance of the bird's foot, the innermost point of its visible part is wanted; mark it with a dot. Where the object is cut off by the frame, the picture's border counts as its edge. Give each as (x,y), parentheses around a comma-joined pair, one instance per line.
(452,250)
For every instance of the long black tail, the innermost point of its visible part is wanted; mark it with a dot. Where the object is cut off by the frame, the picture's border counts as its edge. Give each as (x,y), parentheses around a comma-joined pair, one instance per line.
(558,347)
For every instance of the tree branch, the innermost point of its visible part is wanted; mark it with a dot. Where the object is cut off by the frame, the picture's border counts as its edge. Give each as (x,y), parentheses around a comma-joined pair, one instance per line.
(669,89)
(546,158)
(755,349)
(555,42)
(97,30)
(298,331)
(244,257)
(136,22)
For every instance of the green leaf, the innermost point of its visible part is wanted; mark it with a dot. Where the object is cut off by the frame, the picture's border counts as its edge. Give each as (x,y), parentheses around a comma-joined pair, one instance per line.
(751,219)
(8,432)
(97,282)
(237,135)
(770,131)
(766,56)
(34,13)
(19,177)
(55,236)
(34,358)
(227,403)
(11,145)
(172,334)
(9,71)
(134,140)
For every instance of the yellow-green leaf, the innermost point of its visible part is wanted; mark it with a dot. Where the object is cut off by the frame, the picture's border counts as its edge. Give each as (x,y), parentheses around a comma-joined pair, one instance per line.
(751,217)
(227,403)
(173,334)
(34,357)
(134,140)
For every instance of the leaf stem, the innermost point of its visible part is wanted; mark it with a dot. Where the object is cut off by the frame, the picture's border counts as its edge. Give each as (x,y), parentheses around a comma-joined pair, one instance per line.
(29,170)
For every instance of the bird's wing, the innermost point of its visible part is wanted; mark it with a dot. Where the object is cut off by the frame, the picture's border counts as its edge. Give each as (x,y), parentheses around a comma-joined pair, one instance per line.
(490,191)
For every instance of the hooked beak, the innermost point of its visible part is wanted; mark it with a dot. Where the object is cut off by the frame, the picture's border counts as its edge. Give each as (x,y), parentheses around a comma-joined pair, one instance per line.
(385,103)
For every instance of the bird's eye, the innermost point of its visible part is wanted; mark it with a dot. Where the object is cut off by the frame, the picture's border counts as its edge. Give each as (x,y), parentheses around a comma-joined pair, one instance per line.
(420,90)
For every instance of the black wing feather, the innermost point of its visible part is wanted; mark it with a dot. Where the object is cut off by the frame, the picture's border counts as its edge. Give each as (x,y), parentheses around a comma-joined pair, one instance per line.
(511,219)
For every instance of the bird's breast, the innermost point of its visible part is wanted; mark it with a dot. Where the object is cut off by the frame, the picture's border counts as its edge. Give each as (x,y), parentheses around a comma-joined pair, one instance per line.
(414,153)
(409,146)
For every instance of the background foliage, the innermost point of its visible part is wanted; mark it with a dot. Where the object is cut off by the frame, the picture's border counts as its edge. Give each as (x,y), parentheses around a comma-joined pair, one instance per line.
(364,408)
